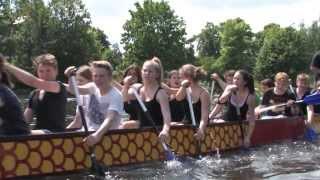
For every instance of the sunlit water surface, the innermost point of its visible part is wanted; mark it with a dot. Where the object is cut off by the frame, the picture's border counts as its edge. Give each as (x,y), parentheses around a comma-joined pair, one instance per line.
(288,160)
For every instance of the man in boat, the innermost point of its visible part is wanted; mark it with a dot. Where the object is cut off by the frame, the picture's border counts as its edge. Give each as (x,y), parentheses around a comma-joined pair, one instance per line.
(105,101)
(48,101)
(11,114)
(265,85)
(278,95)
(315,65)
(302,90)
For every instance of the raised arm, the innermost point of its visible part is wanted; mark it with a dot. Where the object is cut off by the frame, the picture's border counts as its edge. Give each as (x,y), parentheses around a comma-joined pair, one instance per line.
(168,89)
(182,92)
(30,80)
(227,93)
(217,78)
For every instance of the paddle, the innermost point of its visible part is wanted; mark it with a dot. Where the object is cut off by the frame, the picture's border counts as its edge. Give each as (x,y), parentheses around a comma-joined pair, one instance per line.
(310,100)
(193,119)
(212,89)
(96,168)
(167,152)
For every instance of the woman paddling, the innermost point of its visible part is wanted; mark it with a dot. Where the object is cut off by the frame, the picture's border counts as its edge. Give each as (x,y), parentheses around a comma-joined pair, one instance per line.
(11,115)
(155,98)
(190,76)
(240,101)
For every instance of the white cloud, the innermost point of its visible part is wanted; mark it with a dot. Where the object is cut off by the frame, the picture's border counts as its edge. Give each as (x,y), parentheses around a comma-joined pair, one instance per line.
(110,15)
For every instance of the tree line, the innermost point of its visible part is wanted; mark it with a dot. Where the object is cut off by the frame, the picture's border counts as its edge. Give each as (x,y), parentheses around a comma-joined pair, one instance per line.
(63,28)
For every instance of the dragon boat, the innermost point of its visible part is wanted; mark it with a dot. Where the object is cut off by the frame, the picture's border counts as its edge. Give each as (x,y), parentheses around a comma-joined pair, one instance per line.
(52,154)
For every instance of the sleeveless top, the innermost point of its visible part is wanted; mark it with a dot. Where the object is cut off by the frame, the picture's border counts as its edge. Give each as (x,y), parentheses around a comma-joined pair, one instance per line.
(11,116)
(132,107)
(154,109)
(177,110)
(196,109)
(51,110)
(231,111)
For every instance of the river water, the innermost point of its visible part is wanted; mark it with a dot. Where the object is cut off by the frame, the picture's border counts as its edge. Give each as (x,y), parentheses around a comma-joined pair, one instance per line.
(286,160)
(281,161)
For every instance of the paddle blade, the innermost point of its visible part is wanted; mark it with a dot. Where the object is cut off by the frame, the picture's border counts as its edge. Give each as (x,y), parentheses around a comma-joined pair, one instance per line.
(167,152)
(310,135)
(312,99)
(96,168)
(169,155)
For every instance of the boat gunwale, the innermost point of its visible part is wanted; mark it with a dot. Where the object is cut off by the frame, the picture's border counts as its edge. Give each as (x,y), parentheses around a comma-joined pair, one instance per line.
(75,133)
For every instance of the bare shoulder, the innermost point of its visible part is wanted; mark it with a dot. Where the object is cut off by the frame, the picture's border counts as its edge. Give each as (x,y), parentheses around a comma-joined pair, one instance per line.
(251,99)
(162,94)
(204,92)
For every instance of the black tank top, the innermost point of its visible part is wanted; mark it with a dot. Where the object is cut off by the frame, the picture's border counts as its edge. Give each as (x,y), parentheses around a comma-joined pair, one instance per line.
(196,109)
(154,109)
(51,110)
(132,108)
(231,111)
(177,110)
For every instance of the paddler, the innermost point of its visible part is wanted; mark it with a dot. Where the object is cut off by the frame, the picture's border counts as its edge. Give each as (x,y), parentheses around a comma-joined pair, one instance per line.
(11,115)
(105,104)
(239,99)
(190,76)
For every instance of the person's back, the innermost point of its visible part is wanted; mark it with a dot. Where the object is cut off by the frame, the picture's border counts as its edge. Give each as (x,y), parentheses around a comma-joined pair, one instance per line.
(11,115)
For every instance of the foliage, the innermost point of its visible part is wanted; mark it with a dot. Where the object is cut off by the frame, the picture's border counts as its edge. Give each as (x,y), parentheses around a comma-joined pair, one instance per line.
(209,41)
(283,49)
(155,30)
(62,28)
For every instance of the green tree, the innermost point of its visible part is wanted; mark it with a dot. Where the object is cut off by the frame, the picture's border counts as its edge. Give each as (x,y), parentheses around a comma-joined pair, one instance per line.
(8,25)
(155,30)
(236,46)
(312,35)
(284,49)
(209,41)
(62,28)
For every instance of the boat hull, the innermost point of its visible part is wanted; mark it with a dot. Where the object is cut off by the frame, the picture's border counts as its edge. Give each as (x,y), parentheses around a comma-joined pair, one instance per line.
(66,152)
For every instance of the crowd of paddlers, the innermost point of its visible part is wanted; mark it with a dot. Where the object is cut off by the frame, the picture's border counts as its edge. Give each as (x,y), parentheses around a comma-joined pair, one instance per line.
(149,98)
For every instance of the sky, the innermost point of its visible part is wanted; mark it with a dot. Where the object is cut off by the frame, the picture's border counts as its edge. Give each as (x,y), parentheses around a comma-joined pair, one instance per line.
(110,15)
